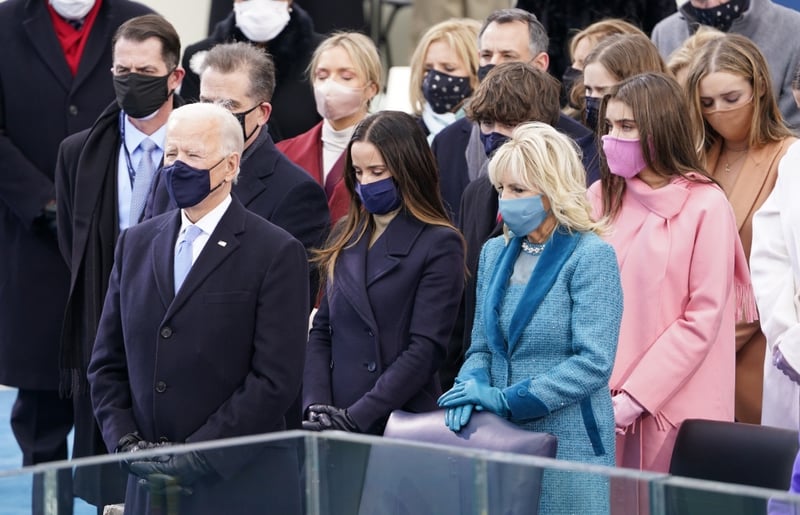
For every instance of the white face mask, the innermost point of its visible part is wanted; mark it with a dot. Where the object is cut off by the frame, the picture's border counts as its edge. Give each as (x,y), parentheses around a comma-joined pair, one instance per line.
(72,9)
(261,20)
(336,101)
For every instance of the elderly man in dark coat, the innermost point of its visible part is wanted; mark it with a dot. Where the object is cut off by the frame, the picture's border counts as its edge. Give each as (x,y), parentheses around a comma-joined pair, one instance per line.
(203,333)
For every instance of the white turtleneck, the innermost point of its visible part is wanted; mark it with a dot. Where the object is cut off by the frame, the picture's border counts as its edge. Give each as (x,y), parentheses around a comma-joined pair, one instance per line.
(334,143)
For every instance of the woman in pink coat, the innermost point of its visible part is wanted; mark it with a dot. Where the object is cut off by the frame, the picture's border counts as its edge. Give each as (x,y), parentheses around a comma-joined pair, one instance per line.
(684,275)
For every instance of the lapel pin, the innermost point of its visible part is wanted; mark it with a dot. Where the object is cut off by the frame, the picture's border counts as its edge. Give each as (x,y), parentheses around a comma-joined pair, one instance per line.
(222,243)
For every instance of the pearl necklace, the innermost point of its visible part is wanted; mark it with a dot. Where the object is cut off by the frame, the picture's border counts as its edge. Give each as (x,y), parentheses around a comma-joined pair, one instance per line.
(534,249)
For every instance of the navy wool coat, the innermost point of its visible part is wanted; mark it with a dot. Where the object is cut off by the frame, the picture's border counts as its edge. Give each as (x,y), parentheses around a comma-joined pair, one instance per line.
(220,359)
(382,327)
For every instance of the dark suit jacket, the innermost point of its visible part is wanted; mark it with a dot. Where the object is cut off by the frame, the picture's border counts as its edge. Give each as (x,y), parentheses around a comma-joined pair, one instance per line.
(450,145)
(220,359)
(279,191)
(40,104)
(294,110)
(305,150)
(381,330)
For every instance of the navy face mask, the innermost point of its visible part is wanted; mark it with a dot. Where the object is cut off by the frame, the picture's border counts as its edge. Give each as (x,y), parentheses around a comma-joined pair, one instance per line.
(492,142)
(592,111)
(444,92)
(484,70)
(379,197)
(188,186)
(722,16)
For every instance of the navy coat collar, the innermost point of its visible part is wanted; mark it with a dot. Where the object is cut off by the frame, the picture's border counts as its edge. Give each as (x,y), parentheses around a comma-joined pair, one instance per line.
(557,251)
(230,226)
(351,270)
(257,165)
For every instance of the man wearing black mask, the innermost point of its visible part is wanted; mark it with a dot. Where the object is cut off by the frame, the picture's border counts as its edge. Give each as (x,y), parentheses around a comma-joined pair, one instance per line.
(770,26)
(103,178)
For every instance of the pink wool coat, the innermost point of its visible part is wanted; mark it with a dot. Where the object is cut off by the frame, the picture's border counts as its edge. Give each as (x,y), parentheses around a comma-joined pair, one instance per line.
(684,275)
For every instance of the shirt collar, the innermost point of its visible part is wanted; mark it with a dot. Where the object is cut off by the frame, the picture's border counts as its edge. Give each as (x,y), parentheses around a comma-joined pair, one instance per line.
(209,222)
(133,136)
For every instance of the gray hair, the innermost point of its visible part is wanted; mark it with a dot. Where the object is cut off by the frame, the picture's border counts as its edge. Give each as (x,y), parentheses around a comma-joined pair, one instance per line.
(538,41)
(232,57)
(231,139)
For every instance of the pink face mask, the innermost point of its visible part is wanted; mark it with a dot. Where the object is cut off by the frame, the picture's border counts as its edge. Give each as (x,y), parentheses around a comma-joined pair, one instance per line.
(624,156)
(336,101)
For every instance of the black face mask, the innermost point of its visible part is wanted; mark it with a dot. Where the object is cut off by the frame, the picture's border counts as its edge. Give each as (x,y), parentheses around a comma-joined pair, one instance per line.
(722,16)
(484,70)
(568,80)
(444,92)
(141,95)
(592,112)
(241,116)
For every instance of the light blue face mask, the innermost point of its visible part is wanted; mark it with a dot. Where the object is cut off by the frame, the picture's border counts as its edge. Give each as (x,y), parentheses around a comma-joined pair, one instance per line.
(523,215)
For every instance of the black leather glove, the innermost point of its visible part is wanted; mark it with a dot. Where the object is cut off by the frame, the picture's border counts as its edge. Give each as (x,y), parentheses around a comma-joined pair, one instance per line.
(331,417)
(184,469)
(316,420)
(132,442)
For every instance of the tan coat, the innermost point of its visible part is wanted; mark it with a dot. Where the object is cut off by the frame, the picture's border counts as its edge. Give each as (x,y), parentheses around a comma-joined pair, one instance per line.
(749,190)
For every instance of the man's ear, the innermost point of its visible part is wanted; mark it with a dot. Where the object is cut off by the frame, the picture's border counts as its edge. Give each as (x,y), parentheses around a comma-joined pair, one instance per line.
(264,112)
(541,61)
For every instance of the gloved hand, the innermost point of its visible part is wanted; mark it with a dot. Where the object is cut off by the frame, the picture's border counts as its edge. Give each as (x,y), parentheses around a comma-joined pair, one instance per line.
(132,442)
(316,420)
(183,469)
(782,364)
(330,417)
(485,397)
(458,417)
(626,411)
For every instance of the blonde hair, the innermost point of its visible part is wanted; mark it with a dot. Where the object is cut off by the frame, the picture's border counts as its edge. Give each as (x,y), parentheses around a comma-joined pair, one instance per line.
(460,34)
(681,58)
(362,52)
(542,158)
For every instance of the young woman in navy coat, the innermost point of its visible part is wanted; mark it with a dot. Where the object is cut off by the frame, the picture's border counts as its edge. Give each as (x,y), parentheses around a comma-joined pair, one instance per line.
(394,273)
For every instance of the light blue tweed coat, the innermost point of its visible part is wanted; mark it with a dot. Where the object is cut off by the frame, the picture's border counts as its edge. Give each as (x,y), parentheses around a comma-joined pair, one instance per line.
(550,346)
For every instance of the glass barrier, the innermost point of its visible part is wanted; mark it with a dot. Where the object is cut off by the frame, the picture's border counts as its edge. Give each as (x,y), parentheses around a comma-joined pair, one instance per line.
(336,473)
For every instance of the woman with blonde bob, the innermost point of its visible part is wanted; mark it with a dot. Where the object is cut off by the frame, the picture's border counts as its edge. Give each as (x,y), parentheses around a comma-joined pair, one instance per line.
(547,318)
(346,74)
(444,73)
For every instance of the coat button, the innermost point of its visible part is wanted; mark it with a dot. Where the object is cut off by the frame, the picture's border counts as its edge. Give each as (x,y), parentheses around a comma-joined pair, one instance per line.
(522,392)
(369,332)
(73,110)
(161,387)
(372,367)
(166,332)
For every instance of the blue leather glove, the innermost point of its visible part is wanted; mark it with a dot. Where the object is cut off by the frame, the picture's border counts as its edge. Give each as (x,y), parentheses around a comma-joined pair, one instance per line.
(485,397)
(457,418)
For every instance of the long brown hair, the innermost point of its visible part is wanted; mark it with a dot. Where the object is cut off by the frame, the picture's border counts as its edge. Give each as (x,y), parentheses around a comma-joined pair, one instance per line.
(659,109)
(409,159)
(737,55)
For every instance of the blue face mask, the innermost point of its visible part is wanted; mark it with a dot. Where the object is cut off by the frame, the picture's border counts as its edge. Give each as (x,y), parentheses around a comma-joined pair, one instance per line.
(492,142)
(379,197)
(188,186)
(523,215)
(592,111)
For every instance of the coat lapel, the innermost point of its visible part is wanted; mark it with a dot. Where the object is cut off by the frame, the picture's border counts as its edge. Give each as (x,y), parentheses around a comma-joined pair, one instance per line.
(352,272)
(96,45)
(399,237)
(752,180)
(162,257)
(257,165)
(39,29)
(212,255)
(557,251)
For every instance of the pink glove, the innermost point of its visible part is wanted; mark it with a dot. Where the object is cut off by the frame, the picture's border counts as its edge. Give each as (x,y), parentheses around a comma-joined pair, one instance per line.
(626,411)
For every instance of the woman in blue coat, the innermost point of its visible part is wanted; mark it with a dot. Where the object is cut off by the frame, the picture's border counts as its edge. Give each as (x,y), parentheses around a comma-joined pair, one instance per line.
(549,304)
(394,274)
